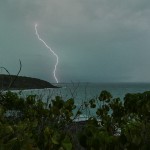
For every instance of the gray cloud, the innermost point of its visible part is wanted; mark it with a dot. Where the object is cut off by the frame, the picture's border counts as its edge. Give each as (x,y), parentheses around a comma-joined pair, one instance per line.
(99,40)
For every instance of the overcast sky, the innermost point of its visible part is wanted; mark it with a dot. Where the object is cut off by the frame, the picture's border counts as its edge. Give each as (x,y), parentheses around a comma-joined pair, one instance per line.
(96,40)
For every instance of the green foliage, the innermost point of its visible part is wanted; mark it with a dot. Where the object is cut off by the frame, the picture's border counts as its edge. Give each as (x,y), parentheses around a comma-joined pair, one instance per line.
(119,125)
(27,124)
(105,96)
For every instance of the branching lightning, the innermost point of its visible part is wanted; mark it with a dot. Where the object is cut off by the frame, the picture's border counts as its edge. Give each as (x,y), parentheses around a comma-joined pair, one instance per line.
(57,61)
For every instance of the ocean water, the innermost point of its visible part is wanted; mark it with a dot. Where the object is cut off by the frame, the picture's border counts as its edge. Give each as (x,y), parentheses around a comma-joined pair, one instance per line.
(86,91)
(82,92)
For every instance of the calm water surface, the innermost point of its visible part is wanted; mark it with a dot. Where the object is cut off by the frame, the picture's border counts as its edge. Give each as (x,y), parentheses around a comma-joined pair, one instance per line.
(85,91)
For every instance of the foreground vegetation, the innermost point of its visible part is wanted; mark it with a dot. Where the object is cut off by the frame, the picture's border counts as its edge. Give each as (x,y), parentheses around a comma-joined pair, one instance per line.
(30,124)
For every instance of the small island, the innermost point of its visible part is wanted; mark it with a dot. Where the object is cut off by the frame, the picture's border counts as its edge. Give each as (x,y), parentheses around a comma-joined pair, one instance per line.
(20,82)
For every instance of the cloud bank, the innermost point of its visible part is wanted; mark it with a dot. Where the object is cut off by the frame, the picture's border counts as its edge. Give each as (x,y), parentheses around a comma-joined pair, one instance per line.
(97,41)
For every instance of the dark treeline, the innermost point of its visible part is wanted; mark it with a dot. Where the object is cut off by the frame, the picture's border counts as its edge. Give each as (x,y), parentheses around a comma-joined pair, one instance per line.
(23,82)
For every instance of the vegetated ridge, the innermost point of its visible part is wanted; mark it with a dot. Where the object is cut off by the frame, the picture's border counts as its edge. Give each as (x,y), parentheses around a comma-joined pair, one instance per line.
(21,82)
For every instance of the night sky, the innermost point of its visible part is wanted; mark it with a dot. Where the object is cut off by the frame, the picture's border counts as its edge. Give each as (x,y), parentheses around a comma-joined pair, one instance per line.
(96,40)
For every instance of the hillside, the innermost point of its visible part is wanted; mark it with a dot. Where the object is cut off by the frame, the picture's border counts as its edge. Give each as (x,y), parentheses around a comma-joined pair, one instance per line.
(21,82)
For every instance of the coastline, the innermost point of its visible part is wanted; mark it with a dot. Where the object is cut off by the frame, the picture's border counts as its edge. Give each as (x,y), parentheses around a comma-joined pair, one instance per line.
(13,82)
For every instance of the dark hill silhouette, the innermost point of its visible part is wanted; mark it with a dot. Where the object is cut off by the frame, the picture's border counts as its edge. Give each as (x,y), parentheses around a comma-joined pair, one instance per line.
(21,82)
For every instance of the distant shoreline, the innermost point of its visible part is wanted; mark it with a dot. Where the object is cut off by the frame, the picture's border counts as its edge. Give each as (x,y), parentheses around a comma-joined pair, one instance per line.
(13,82)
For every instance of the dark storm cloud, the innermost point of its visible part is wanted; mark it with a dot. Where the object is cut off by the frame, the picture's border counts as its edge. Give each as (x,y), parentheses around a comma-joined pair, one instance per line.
(98,40)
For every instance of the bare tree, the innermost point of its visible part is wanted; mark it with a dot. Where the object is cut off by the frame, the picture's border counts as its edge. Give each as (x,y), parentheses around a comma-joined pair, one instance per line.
(12,81)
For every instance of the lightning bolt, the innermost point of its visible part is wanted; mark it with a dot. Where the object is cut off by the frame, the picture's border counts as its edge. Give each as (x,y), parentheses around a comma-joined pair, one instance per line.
(57,61)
